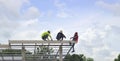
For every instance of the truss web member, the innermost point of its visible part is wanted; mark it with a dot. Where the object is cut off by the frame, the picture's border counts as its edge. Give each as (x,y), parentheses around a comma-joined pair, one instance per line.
(45,36)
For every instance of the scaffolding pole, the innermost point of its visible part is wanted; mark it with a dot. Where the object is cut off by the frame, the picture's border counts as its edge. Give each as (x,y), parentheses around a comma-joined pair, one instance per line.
(23,53)
(60,52)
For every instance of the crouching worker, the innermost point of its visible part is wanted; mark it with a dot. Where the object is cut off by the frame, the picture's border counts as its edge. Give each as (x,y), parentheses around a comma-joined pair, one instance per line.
(46,35)
(74,38)
(60,36)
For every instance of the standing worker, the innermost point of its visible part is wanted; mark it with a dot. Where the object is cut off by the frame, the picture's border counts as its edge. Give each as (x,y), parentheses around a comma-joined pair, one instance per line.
(74,38)
(60,36)
(45,36)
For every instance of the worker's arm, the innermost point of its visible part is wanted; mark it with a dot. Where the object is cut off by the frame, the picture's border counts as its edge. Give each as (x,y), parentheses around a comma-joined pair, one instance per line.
(50,37)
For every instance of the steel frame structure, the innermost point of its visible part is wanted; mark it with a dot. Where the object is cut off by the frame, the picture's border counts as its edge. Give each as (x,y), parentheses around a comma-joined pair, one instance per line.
(62,48)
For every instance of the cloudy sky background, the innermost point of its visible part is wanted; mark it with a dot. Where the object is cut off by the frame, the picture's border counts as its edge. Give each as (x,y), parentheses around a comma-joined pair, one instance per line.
(96,21)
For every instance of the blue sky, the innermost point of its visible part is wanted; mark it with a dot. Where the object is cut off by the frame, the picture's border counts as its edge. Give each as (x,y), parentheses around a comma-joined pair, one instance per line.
(96,21)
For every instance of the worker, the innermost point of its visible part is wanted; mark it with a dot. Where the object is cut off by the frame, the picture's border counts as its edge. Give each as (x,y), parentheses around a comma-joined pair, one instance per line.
(46,35)
(60,36)
(74,38)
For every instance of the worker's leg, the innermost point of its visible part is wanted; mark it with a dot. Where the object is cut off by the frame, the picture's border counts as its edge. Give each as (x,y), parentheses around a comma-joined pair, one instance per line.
(44,38)
(73,47)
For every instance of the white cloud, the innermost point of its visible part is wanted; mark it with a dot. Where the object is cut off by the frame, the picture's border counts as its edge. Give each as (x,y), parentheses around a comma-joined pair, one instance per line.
(62,15)
(7,24)
(89,35)
(59,5)
(10,16)
(114,7)
(28,22)
(31,13)
(7,28)
(102,53)
(61,9)
(11,8)
(107,27)
(26,35)
(112,56)
(99,43)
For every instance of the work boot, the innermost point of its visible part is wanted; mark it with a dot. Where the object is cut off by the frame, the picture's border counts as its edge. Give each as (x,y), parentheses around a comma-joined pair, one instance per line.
(73,51)
(70,43)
